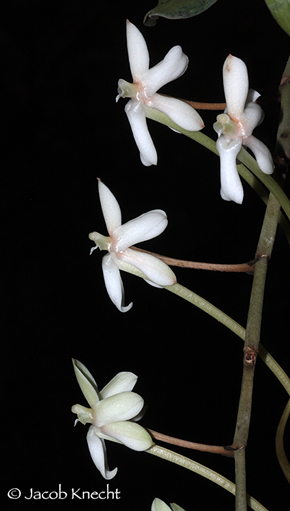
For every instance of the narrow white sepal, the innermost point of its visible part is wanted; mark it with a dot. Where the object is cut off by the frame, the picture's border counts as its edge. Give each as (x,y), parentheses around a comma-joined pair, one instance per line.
(231,186)
(86,382)
(110,208)
(137,120)
(153,268)
(236,85)
(119,407)
(143,228)
(178,111)
(171,67)
(137,51)
(98,453)
(262,154)
(130,434)
(122,382)
(86,372)
(113,283)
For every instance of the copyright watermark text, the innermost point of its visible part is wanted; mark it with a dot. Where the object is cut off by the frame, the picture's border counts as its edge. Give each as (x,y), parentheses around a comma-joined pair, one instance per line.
(61,494)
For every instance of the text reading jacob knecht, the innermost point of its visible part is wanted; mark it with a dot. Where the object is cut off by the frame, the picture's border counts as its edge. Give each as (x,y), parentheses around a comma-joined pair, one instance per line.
(61,494)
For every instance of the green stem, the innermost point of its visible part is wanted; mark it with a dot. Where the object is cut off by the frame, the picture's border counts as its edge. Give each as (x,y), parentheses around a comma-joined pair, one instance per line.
(203,471)
(207,307)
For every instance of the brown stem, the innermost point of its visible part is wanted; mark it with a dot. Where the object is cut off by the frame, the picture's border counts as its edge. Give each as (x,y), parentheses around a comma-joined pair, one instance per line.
(242,267)
(206,106)
(216,449)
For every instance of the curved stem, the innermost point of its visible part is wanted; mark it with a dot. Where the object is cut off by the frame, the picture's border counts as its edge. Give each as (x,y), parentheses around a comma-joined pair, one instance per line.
(203,471)
(207,307)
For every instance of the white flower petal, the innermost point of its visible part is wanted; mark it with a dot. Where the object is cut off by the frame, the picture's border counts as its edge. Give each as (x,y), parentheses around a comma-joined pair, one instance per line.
(137,51)
(122,382)
(144,227)
(110,207)
(179,112)
(123,406)
(113,282)
(137,120)
(159,505)
(130,434)
(97,450)
(252,116)
(236,85)
(262,154)
(231,186)
(86,382)
(171,67)
(152,267)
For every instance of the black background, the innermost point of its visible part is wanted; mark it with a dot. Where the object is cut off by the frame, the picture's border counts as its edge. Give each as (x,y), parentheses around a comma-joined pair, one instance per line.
(60,130)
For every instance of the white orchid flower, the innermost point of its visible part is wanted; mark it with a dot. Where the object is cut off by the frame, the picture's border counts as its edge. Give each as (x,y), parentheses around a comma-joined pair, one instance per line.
(235,127)
(159,505)
(110,413)
(146,82)
(120,256)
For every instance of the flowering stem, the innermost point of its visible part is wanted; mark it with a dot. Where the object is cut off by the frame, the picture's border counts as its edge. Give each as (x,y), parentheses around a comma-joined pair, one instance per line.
(214,449)
(243,267)
(251,347)
(206,472)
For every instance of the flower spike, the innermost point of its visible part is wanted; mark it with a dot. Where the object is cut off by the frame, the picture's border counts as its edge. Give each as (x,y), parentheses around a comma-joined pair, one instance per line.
(143,92)
(120,256)
(235,126)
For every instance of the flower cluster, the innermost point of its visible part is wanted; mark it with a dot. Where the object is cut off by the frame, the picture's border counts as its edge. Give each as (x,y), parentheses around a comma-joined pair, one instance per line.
(234,126)
(120,256)
(111,412)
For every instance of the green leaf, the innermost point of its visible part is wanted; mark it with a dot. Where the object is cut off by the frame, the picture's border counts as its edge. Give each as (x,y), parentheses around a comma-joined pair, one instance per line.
(176,9)
(280,10)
